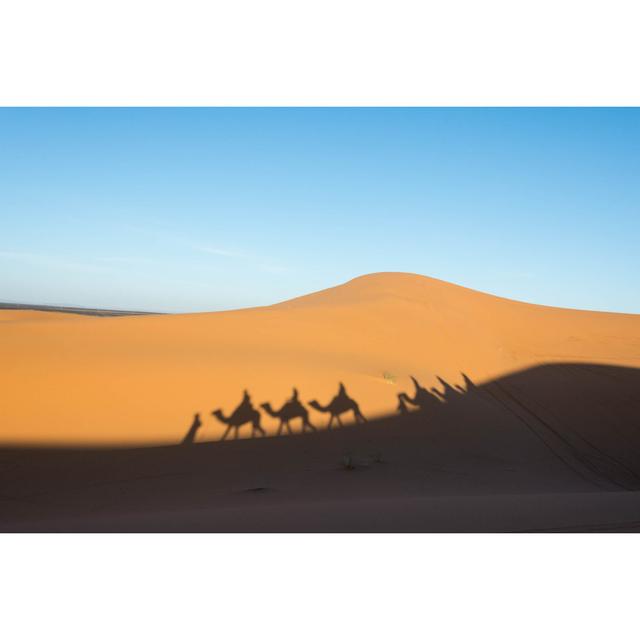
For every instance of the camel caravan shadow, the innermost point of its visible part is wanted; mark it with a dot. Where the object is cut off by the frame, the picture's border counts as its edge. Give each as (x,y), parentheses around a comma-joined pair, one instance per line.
(504,407)
(246,413)
(425,399)
(341,404)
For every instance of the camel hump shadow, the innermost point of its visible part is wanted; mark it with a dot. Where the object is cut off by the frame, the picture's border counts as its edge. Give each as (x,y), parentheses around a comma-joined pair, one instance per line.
(341,403)
(244,413)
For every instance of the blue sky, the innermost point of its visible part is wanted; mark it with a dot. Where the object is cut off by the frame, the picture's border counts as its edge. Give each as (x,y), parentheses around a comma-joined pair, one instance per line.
(207,209)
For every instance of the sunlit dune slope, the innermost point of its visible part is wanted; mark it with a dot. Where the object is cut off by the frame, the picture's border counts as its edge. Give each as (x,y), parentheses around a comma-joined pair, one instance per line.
(140,379)
(18,315)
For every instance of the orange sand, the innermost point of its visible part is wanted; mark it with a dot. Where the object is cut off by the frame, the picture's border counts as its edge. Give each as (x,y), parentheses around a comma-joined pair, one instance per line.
(71,379)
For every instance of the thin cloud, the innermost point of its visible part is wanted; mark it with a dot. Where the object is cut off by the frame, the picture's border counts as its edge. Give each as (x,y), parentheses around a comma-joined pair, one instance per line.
(226,253)
(256,261)
(52,262)
(17,255)
(272,268)
(157,232)
(125,260)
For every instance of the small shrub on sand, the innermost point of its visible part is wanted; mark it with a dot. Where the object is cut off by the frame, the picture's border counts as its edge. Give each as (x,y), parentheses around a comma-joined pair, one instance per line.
(389,377)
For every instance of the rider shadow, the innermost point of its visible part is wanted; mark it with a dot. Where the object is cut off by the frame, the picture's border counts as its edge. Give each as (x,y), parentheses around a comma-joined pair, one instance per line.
(340,404)
(244,413)
(290,410)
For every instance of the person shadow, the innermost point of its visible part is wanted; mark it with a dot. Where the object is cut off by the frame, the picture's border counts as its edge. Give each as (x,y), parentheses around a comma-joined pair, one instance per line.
(341,403)
(244,413)
(193,430)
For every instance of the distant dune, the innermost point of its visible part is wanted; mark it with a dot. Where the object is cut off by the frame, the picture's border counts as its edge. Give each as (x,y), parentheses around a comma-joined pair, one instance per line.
(482,414)
(83,311)
(139,379)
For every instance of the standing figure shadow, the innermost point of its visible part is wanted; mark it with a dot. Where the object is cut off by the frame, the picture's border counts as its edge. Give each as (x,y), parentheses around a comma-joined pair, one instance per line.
(340,404)
(244,413)
(291,409)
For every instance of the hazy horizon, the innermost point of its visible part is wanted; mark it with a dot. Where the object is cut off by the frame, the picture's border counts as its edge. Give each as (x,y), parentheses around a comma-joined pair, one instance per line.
(209,209)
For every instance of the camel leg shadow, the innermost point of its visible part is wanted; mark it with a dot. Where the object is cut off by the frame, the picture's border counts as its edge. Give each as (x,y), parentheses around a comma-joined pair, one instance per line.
(358,417)
(307,425)
(256,427)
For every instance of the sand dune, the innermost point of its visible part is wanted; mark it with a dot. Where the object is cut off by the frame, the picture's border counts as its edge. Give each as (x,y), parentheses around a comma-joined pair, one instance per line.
(70,379)
(552,448)
(525,418)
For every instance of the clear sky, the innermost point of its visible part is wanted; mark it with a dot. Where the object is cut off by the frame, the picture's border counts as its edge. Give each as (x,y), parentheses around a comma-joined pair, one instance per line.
(207,209)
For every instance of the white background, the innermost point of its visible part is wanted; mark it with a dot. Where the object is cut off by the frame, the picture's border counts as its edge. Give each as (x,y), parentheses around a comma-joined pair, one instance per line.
(524,587)
(274,52)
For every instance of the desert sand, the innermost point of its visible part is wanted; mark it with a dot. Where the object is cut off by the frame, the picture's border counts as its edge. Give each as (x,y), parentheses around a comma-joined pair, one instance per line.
(532,420)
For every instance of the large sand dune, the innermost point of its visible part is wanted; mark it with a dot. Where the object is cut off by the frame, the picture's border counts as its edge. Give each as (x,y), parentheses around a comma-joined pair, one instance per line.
(533,422)
(69,379)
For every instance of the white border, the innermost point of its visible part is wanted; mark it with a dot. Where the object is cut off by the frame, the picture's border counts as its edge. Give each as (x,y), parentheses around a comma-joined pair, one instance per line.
(319,587)
(334,52)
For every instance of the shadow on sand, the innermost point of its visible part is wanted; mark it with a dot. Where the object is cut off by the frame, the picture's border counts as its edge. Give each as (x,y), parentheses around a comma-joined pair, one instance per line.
(244,413)
(290,410)
(342,403)
(561,428)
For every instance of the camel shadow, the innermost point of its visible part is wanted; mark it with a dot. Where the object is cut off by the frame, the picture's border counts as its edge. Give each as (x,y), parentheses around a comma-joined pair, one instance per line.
(425,399)
(341,403)
(244,413)
(290,410)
